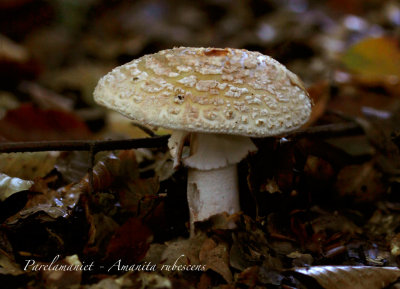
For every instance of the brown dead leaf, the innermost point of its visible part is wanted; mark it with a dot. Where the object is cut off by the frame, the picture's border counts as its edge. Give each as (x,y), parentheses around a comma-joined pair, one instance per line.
(130,242)
(348,6)
(216,257)
(190,248)
(141,280)
(319,94)
(73,166)
(108,170)
(63,279)
(8,265)
(122,126)
(45,98)
(352,277)
(205,281)
(12,51)
(54,203)
(333,223)
(15,61)
(250,245)
(81,77)
(319,173)
(395,245)
(139,195)
(380,134)
(101,228)
(28,165)
(28,123)
(363,182)
(249,276)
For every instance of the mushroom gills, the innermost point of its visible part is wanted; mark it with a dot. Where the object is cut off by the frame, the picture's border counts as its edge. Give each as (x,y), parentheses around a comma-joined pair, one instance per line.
(213,151)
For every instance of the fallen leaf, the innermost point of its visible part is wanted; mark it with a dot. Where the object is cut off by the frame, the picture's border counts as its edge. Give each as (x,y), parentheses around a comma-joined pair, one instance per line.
(189,248)
(250,245)
(28,123)
(10,186)
(46,98)
(380,134)
(319,94)
(216,257)
(139,195)
(73,166)
(350,6)
(249,276)
(204,282)
(7,101)
(319,173)
(140,280)
(12,51)
(352,277)
(28,165)
(63,279)
(81,78)
(8,265)
(364,183)
(374,58)
(101,229)
(54,203)
(153,281)
(123,126)
(130,242)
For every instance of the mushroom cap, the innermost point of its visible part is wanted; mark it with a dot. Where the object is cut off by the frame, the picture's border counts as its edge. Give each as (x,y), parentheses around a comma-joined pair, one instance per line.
(210,90)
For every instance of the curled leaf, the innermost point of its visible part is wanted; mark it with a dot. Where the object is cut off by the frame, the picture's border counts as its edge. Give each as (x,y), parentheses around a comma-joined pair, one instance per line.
(352,277)
(41,198)
(10,186)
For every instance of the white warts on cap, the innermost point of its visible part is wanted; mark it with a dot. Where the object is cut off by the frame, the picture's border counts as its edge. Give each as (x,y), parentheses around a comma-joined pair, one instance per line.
(209,90)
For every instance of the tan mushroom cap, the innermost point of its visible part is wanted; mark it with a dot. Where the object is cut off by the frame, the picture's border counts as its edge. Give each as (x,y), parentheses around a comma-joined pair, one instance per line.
(210,90)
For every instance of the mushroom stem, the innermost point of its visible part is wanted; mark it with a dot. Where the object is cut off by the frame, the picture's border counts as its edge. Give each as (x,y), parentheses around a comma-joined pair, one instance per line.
(212,192)
(212,177)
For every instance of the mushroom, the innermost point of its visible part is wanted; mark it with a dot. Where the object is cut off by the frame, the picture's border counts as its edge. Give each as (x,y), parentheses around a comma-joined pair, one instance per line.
(218,98)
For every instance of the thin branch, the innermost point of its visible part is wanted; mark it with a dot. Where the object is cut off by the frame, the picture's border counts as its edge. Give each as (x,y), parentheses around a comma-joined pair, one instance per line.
(83,145)
(328,130)
(144,128)
(322,131)
(92,155)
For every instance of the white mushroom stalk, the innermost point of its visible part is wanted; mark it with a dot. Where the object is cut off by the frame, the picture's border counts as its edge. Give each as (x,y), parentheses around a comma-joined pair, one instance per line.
(212,177)
(218,97)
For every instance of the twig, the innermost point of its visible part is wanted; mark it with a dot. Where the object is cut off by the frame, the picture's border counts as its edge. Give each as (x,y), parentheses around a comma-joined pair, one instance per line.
(83,145)
(92,155)
(328,130)
(322,131)
(144,129)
